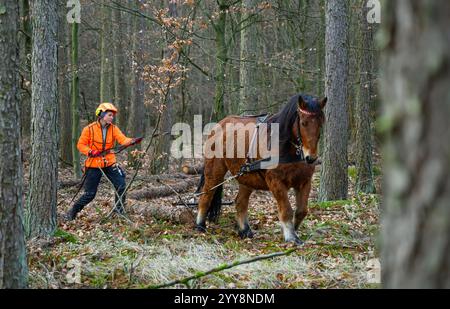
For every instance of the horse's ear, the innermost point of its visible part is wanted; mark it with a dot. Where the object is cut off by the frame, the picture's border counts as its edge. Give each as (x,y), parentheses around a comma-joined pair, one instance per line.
(323,102)
(302,103)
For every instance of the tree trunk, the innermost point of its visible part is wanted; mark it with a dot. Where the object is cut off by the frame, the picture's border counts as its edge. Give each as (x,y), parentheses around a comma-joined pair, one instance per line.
(168,113)
(75,102)
(105,93)
(44,102)
(416,214)
(320,61)
(120,99)
(303,12)
(65,117)
(221,61)
(136,124)
(320,46)
(248,75)
(13,265)
(364,177)
(334,177)
(26,49)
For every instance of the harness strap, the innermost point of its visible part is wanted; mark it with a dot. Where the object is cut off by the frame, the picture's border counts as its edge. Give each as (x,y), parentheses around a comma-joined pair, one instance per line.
(251,165)
(260,119)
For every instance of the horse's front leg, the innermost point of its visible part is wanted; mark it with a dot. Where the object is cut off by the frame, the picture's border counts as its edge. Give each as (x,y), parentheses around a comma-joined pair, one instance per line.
(285,212)
(301,199)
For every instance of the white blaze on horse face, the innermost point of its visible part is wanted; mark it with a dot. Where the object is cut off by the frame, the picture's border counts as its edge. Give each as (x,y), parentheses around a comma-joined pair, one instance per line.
(214,144)
(181,147)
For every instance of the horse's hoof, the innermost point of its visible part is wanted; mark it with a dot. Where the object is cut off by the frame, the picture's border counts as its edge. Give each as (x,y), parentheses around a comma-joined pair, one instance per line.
(297,241)
(247,233)
(200,228)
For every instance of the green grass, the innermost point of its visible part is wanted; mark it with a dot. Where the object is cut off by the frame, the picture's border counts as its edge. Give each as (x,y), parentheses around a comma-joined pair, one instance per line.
(65,236)
(352,172)
(330,204)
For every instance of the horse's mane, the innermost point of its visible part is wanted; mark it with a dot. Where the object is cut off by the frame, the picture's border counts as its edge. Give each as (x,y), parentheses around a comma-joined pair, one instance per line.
(288,114)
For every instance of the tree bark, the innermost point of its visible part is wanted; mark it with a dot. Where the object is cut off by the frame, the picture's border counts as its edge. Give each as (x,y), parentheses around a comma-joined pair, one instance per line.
(75,102)
(248,74)
(44,102)
(334,177)
(105,93)
(26,49)
(120,99)
(13,266)
(416,214)
(221,61)
(168,114)
(65,117)
(364,176)
(136,119)
(320,47)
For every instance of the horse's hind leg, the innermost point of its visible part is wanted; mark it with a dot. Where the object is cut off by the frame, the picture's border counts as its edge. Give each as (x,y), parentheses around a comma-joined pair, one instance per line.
(242,212)
(285,212)
(214,171)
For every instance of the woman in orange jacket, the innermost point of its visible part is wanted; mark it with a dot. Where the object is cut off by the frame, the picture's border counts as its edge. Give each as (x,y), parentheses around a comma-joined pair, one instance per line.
(95,138)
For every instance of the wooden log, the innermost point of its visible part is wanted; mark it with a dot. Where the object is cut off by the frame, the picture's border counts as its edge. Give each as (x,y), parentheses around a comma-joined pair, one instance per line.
(154,178)
(151,191)
(68,183)
(193,169)
(175,214)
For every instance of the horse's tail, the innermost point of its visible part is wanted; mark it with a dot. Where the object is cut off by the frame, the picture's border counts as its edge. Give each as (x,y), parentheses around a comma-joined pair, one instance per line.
(216,202)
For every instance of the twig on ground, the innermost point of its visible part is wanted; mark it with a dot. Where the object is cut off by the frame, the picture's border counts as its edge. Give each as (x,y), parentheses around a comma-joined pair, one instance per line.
(222,267)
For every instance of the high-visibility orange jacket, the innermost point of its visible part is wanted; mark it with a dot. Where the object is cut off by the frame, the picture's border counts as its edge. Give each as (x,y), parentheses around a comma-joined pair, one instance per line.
(92,139)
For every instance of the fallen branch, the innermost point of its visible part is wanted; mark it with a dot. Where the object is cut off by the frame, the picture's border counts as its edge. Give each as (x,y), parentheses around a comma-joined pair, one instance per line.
(222,267)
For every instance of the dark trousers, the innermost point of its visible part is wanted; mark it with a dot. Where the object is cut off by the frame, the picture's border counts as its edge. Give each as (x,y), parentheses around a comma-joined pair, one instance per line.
(93,175)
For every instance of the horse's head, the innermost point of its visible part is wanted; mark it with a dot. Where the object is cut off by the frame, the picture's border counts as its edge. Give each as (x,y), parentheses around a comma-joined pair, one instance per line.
(309,122)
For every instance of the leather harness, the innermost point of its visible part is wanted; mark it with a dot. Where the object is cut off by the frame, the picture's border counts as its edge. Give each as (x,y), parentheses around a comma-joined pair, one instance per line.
(255,165)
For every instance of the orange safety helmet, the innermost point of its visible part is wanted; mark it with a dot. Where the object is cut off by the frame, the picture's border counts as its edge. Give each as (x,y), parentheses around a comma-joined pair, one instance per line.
(103,107)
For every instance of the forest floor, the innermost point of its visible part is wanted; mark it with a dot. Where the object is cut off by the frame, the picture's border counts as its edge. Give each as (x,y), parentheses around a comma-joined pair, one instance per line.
(340,249)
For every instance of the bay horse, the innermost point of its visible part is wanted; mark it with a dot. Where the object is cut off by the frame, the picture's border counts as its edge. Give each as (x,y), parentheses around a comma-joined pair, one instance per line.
(299,123)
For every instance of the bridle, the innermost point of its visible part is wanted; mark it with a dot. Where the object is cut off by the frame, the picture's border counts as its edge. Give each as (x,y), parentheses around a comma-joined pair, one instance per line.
(299,143)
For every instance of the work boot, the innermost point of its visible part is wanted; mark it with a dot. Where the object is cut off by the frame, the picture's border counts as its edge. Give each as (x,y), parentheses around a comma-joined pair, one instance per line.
(71,214)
